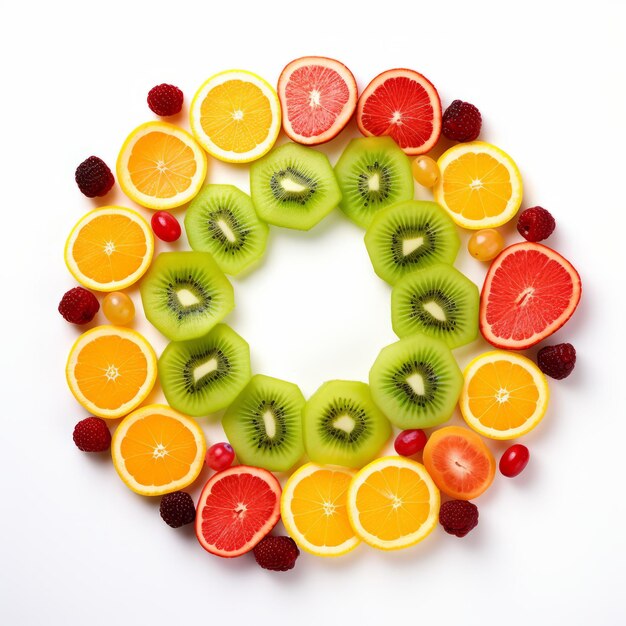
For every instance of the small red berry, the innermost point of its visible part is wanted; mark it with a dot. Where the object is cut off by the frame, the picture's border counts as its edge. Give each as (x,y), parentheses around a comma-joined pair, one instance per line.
(461,121)
(165,226)
(92,435)
(93,177)
(535,224)
(220,456)
(458,517)
(278,554)
(177,509)
(557,361)
(514,460)
(79,306)
(165,100)
(410,442)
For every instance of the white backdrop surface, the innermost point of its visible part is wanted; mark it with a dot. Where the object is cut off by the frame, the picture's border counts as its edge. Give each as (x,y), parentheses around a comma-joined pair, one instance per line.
(77,547)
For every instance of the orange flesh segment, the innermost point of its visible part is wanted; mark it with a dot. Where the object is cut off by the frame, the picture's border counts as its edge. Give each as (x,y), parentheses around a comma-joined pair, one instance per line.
(158,450)
(236,115)
(110,370)
(392,503)
(319,508)
(161,165)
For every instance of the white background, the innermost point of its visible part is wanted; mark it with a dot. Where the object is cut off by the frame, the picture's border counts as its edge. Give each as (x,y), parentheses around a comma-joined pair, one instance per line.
(77,547)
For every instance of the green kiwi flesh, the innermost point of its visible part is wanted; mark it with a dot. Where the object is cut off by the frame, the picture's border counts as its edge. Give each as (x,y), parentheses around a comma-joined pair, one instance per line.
(416,382)
(373,173)
(264,424)
(221,220)
(409,236)
(343,426)
(437,301)
(184,294)
(202,376)
(293,187)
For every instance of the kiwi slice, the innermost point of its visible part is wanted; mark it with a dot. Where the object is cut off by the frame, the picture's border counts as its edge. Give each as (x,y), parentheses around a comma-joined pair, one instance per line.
(409,236)
(437,301)
(294,187)
(264,424)
(202,376)
(221,220)
(373,173)
(416,382)
(184,294)
(343,426)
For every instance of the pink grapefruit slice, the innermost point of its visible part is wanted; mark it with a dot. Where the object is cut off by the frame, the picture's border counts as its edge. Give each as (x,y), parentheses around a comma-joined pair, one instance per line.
(318,97)
(237,508)
(404,104)
(530,291)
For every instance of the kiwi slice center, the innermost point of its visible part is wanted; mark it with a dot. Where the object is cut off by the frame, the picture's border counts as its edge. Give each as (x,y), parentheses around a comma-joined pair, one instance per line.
(435,308)
(344,421)
(291,185)
(186,296)
(410,244)
(417,381)
(205,369)
(374,183)
(225,228)
(268,425)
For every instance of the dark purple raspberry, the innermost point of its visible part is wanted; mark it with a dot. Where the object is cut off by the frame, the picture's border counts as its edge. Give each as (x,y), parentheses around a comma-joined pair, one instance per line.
(177,509)
(93,177)
(92,435)
(557,361)
(458,517)
(535,224)
(278,554)
(461,121)
(79,306)
(165,100)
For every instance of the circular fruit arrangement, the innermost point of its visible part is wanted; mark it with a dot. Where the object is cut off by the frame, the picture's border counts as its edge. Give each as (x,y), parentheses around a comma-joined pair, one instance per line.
(339,488)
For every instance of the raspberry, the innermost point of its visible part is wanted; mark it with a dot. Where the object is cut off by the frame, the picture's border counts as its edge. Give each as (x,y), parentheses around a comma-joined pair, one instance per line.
(93,177)
(278,554)
(92,435)
(557,361)
(177,509)
(78,306)
(535,224)
(165,100)
(461,121)
(458,517)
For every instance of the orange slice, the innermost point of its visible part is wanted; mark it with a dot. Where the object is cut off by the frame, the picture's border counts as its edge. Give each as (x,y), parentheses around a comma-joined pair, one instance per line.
(110,370)
(505,395)
(235,116)
(479,185)
(313,510)
(393,503)
(109,248)
(156,450)
(160,166)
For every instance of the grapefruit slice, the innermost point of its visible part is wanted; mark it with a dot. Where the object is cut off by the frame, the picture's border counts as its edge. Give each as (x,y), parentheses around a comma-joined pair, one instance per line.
(459,462)
(237,508)
(318,97)
(530,291)
(404,104)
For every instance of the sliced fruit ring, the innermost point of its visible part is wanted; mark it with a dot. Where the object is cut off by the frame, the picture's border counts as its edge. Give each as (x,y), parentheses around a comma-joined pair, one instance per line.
(393,503)
(404,104)
(505,395)
(237,508)
(110,370)
(313,509)
(235,116)
(109,248)
(479,185)
(160,166)
(156,450)
(318,97)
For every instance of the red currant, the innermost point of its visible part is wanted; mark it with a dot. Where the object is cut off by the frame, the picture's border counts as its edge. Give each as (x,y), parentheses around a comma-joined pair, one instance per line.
(514,460)
(165,226)
(220,456)
(410,442)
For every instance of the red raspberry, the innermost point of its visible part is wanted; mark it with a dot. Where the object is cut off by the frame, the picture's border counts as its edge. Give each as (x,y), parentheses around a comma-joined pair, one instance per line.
(278,554)
(92,435)
(165,100)
(535,224)
(557,361)
(458,517)
(93,177)
(78,306)
(461,121)
(177,509)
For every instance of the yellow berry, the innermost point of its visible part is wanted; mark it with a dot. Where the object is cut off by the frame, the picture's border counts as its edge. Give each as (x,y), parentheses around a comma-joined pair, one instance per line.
(485,244)
(118,308)
(425,171)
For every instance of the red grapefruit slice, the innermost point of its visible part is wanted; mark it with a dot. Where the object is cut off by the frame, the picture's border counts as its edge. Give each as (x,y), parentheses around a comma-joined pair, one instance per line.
(530,291)
(404,104)
(318,97)
(237,508)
